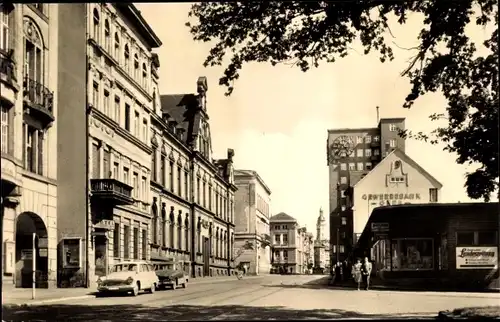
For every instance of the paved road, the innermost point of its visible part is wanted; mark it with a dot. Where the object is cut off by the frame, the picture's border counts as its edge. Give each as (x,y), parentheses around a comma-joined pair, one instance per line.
(272,297)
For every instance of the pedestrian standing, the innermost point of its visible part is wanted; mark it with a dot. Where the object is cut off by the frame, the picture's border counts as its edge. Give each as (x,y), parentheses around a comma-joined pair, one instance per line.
(356,273)
(366,271)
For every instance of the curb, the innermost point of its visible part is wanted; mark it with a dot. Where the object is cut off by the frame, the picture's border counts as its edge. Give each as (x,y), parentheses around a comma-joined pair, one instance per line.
(82,297)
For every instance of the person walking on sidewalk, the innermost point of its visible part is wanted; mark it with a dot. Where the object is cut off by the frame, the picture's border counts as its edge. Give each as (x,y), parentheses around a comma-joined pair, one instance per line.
(367,271)
(356,273)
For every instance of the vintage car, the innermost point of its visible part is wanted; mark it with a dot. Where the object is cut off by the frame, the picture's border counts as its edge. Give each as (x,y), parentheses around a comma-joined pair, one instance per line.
(171,276)
(128,277)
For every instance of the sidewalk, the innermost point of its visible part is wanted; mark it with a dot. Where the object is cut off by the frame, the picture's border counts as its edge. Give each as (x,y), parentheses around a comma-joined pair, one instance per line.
(13,296)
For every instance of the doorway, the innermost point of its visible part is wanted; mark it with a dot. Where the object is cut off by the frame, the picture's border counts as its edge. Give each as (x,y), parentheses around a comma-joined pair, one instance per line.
(101,261)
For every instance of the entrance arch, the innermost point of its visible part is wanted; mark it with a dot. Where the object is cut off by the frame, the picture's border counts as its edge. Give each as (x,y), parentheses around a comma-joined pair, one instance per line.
(28,223)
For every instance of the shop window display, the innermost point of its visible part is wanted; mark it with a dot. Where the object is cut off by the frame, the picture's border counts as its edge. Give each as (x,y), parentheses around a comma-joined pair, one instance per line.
(412,254)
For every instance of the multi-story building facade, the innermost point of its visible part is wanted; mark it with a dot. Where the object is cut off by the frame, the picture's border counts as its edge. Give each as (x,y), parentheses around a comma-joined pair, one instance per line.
(120,89)
(321,245)
(29,83)
(192,194)
(287,243)
(351,154)
(306,251)
(252,212)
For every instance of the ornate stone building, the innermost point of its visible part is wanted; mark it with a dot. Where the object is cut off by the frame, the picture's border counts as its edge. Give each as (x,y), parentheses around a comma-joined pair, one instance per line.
(192,194)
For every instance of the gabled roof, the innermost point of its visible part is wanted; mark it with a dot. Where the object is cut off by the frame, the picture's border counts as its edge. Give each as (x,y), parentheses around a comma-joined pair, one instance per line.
(282,217)
(408,160)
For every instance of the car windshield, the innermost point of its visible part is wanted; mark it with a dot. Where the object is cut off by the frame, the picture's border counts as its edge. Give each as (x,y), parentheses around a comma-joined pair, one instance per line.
(125,268)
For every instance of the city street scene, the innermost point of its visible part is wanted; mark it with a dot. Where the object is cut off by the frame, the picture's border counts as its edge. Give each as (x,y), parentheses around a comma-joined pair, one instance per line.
(249,160)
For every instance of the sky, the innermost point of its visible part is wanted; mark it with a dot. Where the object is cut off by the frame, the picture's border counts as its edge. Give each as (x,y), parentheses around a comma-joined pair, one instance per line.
(277,118)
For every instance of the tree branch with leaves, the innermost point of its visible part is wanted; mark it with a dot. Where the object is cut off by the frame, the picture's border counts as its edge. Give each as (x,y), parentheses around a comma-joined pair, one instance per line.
(303,34)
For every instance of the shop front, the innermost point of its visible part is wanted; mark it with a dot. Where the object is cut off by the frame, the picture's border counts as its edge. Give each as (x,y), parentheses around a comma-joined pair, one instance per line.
(446,244)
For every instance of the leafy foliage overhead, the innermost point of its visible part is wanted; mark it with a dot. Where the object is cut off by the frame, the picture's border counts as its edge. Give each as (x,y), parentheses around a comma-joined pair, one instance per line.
(305,33)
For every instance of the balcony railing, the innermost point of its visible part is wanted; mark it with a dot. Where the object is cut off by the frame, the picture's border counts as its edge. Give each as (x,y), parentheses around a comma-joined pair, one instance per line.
(38,95)
(112,190)
(7,68)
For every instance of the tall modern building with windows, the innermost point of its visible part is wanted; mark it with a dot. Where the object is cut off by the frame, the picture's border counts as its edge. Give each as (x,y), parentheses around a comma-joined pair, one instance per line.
(368,147)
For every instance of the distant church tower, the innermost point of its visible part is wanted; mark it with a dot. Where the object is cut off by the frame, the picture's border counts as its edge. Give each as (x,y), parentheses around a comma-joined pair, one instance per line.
(320,226)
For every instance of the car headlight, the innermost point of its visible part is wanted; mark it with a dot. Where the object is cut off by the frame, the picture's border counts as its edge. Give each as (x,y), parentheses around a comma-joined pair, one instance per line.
(130,280)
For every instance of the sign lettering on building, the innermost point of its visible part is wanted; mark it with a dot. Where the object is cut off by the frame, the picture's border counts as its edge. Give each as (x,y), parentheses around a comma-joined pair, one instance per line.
(391,198)
(476,257)
(105,224)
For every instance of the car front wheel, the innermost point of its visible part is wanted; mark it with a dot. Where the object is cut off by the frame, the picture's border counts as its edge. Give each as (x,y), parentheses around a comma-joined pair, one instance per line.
(135,290)
(153,288)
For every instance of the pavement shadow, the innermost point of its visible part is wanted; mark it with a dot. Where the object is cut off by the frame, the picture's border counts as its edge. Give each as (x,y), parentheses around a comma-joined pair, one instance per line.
(185,312)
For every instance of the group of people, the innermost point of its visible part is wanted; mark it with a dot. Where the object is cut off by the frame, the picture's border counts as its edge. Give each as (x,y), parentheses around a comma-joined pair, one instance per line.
(360,272)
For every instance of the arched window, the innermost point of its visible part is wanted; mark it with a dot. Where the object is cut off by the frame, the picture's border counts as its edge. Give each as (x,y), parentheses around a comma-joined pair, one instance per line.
(144,76)
(136,67)
(34,56)
(163,223)
(126,56)
(179,230)
(172,229)
(97,20)
(107,36)
(117,46)
(186,236)
(217,243)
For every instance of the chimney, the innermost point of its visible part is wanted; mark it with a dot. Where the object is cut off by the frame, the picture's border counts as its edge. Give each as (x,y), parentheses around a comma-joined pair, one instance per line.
(378,118)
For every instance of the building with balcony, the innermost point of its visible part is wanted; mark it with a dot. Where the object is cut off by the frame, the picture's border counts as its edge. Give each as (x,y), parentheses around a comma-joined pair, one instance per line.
(121,95)
(252,213)
(287,243)
(192,194)
(321,246)
(351,154)
(28,96)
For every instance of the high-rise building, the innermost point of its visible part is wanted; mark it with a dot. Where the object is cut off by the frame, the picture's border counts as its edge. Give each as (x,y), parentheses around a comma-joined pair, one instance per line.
(351,154)
(252,212)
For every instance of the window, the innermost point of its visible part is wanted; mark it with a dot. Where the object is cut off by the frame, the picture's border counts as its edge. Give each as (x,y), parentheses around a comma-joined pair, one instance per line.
(359,140)
(433,195)
(127,117)
(477,238)
(162,171)
(144,244)
(368,139)
(145,130)
(126,175)
(341,249)
(198,190)
(126,241)
(144,190)
(352,166)
(204,193)
(145,76)
(376,152)
(5,129)
(368,153)
(126,56)
(285,255)
(107,36)
(116,241)
(179,233)
(106,159)
(172,225)
(154,169)
(285,238)
(393,127)
(343,235)
(106,103)
(137,132)
(368,165)
(171,175)
(344,221)
(392,143)
(117,46)
(95,95)
(136,67)
(397,179)
(179,180)
(34,64)
(96,164)
(360,166)
(343,180)
(33,149)
(359,153)
(376,138)
(115,170)
(117,109)
(412,254)
(343,166)
(487,238)
(135,185)
(186,184)
(136,243)
(97,32)
(4,28)
(277,238)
